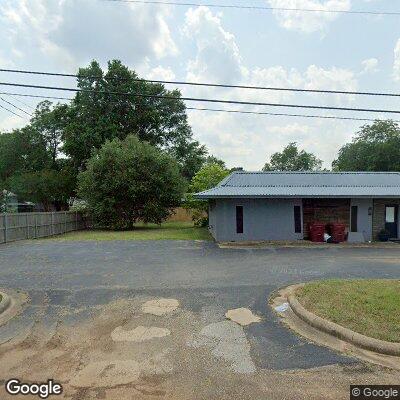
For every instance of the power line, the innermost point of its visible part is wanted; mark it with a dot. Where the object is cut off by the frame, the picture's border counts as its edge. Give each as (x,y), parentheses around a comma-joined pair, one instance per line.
(285,114)
(238,102)
(224,110)
(20,109)
(38,96)
(205,84)
(265,8)
(10,111)
(23,103)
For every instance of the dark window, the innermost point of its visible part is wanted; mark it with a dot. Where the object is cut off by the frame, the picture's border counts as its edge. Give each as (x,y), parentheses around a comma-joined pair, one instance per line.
(297,219)
(239,219)
(354,215)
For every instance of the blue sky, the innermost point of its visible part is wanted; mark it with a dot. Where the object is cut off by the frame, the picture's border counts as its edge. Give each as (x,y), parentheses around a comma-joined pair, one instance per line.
(288,49)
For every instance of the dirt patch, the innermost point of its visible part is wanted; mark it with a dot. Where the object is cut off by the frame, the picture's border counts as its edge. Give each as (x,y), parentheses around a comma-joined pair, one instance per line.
(242,316)
(160,306)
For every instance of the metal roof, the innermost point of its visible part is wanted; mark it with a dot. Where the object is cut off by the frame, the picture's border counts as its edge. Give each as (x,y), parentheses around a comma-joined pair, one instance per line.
(306,184)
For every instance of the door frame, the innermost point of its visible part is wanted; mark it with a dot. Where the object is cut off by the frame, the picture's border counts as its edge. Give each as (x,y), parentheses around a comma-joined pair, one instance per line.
(396,218)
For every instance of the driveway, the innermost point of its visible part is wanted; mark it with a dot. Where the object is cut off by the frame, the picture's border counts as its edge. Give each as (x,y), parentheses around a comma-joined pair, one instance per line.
(81,292)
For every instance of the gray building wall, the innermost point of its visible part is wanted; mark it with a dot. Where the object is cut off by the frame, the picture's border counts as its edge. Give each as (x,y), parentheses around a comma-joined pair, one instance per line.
(272,219)
(364,220)
(263,219)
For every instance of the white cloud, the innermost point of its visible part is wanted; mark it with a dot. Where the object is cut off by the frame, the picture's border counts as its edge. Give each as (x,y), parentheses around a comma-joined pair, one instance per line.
(161,73)
(396,65)
(332,79)
(10,121)
(370,65)
(252,138)
(308,21)
(218,57)
(71,33)
(4,62)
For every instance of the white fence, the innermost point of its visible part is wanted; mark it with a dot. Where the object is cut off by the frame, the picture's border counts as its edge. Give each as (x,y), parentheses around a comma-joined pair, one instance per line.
(19,226)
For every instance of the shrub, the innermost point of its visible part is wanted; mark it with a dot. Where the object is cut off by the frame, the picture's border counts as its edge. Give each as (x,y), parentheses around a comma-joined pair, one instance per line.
(129,181)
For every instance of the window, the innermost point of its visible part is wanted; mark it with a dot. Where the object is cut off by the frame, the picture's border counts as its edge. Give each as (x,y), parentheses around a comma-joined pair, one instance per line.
(297,219)
(239,219)
(354,217)
(390,214)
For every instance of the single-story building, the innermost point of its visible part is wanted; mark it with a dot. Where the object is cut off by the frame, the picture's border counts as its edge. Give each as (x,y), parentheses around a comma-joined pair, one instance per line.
(255,206)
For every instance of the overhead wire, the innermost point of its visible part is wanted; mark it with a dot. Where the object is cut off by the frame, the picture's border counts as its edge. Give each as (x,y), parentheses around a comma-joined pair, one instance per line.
(10,111)
(221,110)
(204,84)
(18,108)
(255,7)
(201,99)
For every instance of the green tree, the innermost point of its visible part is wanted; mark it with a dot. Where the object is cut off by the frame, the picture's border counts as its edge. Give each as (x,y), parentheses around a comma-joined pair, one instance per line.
(376,147)
(48,121)
(47,187)
(21,150)
(31,163)
(291,159)
(206,178)
(95,117)
(127,181)
(214,160)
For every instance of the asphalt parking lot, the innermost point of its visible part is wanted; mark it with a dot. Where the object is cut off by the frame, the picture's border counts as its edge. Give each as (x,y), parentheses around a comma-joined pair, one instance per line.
(81,291)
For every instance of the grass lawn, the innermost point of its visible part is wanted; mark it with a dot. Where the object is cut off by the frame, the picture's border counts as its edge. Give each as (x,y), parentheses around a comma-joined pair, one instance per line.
(167,230)
(369,307)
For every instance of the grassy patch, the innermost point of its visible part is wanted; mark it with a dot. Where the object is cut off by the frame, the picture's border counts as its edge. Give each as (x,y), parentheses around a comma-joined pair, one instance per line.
(167,231)
(369,307)
(1,297)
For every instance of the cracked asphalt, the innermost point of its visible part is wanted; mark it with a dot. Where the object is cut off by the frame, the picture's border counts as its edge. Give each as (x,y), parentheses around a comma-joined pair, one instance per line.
(71,283)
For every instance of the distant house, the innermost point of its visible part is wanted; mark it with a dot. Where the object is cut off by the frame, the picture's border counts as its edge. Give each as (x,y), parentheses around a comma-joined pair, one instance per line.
(253,206)
(9,203)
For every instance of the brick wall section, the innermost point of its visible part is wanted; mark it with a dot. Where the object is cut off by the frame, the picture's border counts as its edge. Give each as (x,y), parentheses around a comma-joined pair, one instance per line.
(325,210)
(378,217)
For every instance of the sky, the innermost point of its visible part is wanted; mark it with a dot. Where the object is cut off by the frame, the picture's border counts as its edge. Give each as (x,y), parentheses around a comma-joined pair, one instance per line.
(292,49)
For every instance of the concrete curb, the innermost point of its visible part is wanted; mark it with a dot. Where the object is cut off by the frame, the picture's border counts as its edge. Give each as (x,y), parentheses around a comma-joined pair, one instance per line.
(300,245)
(365,342)
(5,302)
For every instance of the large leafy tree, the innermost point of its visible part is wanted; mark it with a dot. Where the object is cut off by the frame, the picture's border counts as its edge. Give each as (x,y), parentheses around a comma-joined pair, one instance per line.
(206,178)
(31,163)
(291,159)
(21,150)
(116,103)
(48,122)
(128,181)
(376,147)
(47,187)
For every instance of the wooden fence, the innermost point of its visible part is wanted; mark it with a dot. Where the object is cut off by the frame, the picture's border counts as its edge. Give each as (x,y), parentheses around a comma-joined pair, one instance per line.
(19,226)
